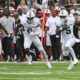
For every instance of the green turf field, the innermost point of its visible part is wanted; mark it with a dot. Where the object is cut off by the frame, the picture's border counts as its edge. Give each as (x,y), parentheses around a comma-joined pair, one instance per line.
(38,71)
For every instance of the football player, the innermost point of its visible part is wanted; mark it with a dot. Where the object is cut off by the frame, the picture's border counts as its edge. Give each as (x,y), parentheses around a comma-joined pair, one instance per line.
(68,39)
(31,33)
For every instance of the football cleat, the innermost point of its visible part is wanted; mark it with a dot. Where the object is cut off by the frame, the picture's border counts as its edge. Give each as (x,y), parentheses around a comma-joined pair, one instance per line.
(48,64)
(71,65)
(76,61)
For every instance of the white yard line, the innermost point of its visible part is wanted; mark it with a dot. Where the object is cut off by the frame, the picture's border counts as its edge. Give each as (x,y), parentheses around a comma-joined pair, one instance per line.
(34,62)
(65,72)
(39,73)
(24,73)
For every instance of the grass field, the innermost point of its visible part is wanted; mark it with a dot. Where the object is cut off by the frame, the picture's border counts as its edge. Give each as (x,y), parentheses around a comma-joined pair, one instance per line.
(38,71)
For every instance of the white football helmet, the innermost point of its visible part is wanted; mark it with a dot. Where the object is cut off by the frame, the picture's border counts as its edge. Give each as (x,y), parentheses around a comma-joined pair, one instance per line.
(63,13)
(30,14)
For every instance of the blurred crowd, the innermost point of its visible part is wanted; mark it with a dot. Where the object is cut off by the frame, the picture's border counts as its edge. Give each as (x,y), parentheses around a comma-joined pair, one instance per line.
(12,37)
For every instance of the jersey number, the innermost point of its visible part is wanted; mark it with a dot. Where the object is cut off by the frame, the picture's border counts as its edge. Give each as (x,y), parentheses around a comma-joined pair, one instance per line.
(68,31)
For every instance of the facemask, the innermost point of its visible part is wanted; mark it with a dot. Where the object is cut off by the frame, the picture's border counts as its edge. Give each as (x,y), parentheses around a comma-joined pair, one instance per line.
(30,20)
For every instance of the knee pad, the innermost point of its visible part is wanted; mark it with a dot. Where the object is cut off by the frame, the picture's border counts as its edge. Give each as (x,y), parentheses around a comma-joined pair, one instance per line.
(66,53)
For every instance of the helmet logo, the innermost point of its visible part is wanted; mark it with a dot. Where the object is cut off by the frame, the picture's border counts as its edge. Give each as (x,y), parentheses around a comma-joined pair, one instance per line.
(29,14)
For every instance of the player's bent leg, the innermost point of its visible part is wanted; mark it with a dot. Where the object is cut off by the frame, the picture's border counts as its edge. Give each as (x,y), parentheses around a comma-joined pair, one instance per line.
(38,44)
(41,49)
(69,47)
(27,44)
(71,65)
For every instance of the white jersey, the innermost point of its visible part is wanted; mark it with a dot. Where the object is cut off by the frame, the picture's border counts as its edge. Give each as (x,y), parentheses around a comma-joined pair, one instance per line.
(68,32)
(34,27)
(52,23)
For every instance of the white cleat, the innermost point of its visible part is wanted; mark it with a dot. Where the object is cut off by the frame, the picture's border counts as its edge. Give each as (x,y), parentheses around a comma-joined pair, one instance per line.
(48,64)
(76,61)
(29,62)
(71,65)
